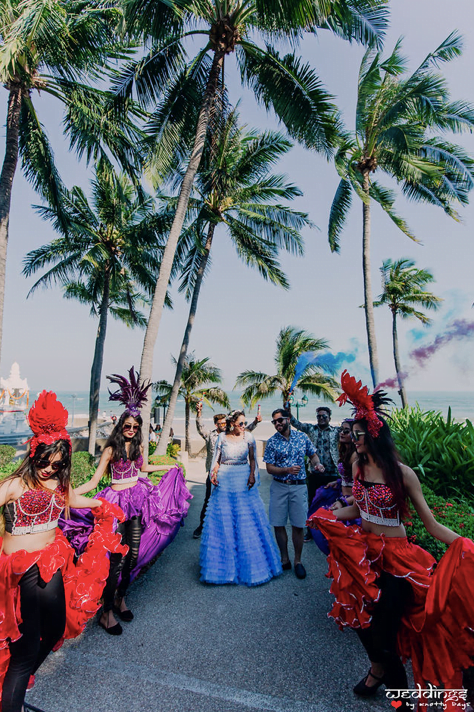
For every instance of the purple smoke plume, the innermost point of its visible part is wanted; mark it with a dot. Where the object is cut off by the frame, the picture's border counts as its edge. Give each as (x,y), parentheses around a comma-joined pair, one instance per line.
(391,382)
(458,329)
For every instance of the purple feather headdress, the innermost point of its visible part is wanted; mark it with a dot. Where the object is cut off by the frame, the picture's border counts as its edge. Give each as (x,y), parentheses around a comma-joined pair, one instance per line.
(130,393)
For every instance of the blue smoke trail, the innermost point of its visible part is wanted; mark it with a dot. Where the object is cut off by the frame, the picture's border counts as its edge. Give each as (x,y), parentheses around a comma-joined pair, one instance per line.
(329,362)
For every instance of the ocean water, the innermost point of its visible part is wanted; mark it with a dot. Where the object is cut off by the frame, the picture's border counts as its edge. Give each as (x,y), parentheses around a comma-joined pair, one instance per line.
(461,404)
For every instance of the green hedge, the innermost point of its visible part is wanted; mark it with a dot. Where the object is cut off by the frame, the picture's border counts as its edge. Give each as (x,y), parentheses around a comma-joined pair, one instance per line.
(7,453)
(440,451)
(454,515)
(155,477)
(8,469)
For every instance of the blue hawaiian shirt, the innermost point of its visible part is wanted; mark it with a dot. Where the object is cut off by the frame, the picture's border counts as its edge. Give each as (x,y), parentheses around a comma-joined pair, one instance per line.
(289,453)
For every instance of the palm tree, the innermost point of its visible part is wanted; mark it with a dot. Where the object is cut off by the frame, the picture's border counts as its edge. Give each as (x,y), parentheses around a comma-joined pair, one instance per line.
(291,343)
(49,48)
(195,376)
(283,83)
(107,257)
(404,288)
(235,188)
(395,118)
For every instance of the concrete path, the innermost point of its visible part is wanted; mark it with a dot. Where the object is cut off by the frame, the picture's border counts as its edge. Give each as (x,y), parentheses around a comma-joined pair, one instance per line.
(201,648)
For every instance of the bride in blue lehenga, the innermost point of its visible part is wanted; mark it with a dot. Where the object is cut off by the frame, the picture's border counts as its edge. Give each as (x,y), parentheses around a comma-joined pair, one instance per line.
(237,545)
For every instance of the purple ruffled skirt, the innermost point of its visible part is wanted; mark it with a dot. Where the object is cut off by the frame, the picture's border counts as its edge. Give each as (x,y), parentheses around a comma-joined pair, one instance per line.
(162,508)
(325,497)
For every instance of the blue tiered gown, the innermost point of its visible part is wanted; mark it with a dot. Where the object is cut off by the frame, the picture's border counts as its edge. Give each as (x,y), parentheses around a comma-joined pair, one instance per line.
(237,545)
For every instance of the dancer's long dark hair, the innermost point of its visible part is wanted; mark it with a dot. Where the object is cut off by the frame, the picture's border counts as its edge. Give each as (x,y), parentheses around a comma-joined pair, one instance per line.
(117,441)
(346,450)
(28,469)
(384,453)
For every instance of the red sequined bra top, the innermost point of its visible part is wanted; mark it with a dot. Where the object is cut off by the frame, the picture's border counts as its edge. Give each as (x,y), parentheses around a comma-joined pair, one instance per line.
(125,471)
(376,503)
(35,511)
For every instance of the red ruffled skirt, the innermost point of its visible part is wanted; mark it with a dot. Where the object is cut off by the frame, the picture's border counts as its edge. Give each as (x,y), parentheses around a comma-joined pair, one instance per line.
(84,580)
(437,631)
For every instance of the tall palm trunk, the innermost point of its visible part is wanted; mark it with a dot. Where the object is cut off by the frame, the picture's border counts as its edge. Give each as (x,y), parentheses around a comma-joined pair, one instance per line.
(396,357)
(161,449)
(6,183)
(96,371)
(187,419)
(146,365)
(368,299)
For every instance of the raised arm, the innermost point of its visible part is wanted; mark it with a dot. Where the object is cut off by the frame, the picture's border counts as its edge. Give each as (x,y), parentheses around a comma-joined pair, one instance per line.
(251,426)
(199,426)
(439,531)
(100,472)
(304,427)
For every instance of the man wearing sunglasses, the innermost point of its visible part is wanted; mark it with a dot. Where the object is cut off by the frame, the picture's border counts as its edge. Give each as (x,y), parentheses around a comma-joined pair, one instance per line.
(210,438)
(285,459)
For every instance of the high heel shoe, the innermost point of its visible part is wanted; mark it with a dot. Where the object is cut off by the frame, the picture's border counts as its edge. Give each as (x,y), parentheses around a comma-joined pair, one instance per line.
(365,690)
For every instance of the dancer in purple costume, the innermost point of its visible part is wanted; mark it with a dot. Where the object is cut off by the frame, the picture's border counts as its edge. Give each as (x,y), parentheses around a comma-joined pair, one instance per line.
(338,493)
(153,513)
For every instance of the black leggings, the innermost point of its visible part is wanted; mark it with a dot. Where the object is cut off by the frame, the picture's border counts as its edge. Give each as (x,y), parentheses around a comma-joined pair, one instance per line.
(43,612)
(131,532)
(380,639)
(206,499)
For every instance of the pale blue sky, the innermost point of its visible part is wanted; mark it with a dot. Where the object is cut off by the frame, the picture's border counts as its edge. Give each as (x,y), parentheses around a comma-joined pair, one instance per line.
(240,314)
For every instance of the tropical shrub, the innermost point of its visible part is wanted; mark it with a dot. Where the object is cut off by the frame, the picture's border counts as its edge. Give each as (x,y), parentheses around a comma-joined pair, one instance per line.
(456,516)
(82,468)
(8,469)
(7,453)
(172,450)
(151,447)
(440,451)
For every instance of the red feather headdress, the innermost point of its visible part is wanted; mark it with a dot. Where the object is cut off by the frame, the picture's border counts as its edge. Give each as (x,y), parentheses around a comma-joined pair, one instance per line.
(48,419)
(358,396)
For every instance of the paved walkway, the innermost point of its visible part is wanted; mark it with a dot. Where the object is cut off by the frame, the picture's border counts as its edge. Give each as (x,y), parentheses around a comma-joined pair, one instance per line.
(202,648)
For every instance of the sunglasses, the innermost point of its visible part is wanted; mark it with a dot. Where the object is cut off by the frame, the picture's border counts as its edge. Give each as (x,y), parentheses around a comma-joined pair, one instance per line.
(322,415)
(131,427)
(345,431)
(242,423)
(44,463)
(356,434)
(278,421)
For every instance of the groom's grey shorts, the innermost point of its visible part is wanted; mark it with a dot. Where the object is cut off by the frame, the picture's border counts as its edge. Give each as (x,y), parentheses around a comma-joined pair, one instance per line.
(288,502)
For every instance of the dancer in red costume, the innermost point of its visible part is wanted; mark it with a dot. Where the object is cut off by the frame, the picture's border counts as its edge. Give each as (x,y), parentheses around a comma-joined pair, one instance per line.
(44,596)
(385,587)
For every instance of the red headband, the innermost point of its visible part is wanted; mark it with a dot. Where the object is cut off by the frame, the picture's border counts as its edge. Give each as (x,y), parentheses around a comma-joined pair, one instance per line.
(48,419)
(354,393)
